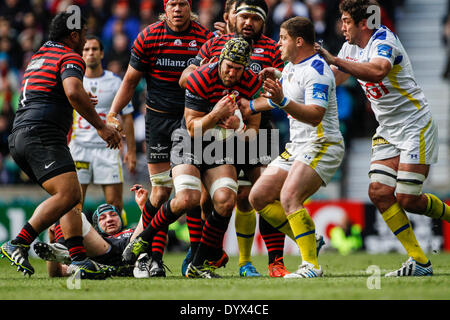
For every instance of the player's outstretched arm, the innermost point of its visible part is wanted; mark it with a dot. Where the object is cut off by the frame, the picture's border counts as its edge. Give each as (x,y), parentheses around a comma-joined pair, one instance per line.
(123,95)
(130,156)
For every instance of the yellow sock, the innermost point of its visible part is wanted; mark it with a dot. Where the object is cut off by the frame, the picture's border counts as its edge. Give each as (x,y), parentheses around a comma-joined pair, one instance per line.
(436,208)
(397,220)
(305,235)
(245,224)
(274,214)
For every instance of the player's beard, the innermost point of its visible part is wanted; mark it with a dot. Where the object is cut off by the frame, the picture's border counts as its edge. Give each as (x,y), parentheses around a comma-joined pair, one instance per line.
(253,38)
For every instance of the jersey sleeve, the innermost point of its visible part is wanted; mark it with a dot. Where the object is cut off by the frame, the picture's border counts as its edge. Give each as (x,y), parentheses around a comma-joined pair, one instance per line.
(204,52)
(383,49)
(139,53)
(277,61)
(72,65)
(318,89)
(195,95)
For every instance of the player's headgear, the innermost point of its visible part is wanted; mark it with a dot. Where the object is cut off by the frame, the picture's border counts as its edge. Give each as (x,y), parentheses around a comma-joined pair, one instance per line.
(101,209)
(236,50)
(167,1)
(258,7)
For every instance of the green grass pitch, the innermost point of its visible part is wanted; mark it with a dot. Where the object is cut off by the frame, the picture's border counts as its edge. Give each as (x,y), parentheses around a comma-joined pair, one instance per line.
(345,277)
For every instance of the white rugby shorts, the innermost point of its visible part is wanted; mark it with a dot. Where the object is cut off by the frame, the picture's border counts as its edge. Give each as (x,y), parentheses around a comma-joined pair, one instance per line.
(97,165)
(325,157)
(416,143)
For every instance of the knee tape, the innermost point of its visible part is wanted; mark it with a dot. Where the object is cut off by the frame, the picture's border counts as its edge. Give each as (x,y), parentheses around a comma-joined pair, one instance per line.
(223,183)
(383,174)
(85,225)
(186,181)
(410,183)
(162,179)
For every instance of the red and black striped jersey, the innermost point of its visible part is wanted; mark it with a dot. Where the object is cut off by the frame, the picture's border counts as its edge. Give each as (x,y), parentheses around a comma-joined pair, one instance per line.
(162,55)
(204,88)
(43,100)
(266,52)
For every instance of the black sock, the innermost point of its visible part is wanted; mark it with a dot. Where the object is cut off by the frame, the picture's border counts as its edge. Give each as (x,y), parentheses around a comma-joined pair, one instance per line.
(26,235)
(148,213)
(273,239)
(212,238)
(76,248)
(161,220)
(195,225)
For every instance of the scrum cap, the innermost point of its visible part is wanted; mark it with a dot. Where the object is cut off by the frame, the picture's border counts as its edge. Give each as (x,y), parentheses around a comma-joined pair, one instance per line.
(236,50)
(103,208)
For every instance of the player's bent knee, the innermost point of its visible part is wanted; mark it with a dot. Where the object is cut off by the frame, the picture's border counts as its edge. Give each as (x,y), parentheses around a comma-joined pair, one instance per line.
(186,200)
(380,193)
(223,191)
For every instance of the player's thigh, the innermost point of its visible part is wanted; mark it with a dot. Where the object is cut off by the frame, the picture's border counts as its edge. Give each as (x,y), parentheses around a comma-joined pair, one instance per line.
(158,135)
(113,194)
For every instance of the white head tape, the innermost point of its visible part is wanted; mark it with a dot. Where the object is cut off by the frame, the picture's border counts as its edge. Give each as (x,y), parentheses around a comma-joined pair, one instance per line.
(245,8)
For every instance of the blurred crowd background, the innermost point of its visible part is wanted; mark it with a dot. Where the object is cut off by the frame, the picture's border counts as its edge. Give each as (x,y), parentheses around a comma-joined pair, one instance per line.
(24,28)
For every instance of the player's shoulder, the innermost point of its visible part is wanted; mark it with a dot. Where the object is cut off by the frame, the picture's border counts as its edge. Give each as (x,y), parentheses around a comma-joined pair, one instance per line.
(111,76)
(201,30)
(209,69)
(383,33)
(152,30)
(266,41)
(315,67)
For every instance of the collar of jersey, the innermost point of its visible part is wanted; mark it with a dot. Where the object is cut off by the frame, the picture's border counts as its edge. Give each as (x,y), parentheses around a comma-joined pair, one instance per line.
(306,59)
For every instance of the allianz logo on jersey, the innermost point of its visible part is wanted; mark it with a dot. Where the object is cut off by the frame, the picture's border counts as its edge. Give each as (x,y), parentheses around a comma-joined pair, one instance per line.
(167,62)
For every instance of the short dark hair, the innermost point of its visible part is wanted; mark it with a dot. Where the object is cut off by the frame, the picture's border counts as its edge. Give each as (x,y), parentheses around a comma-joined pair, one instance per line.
(59,28)
(300,27)
(229,5)
(94,37)
(258,3)
(357,9)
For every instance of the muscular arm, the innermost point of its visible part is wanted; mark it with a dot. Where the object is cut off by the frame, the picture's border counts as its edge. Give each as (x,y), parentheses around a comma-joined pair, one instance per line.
(185,74)
(126,90)
(196,121)
(374,70)
(130,156)
(81,102)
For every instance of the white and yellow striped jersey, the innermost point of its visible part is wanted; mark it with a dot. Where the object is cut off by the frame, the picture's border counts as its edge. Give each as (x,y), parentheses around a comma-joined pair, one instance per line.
(105,88)
(397,100)
(311,81)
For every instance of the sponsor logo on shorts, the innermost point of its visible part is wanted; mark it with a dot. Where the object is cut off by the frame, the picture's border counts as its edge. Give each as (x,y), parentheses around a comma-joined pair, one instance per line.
(378,141)
(159,147)
(80,165)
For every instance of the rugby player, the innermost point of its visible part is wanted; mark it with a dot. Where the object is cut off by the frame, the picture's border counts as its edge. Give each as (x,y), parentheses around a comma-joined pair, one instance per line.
(94,162)
(160,53)
(406,141)
(208,103)
(307,92)
(249,18)
(52,87)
